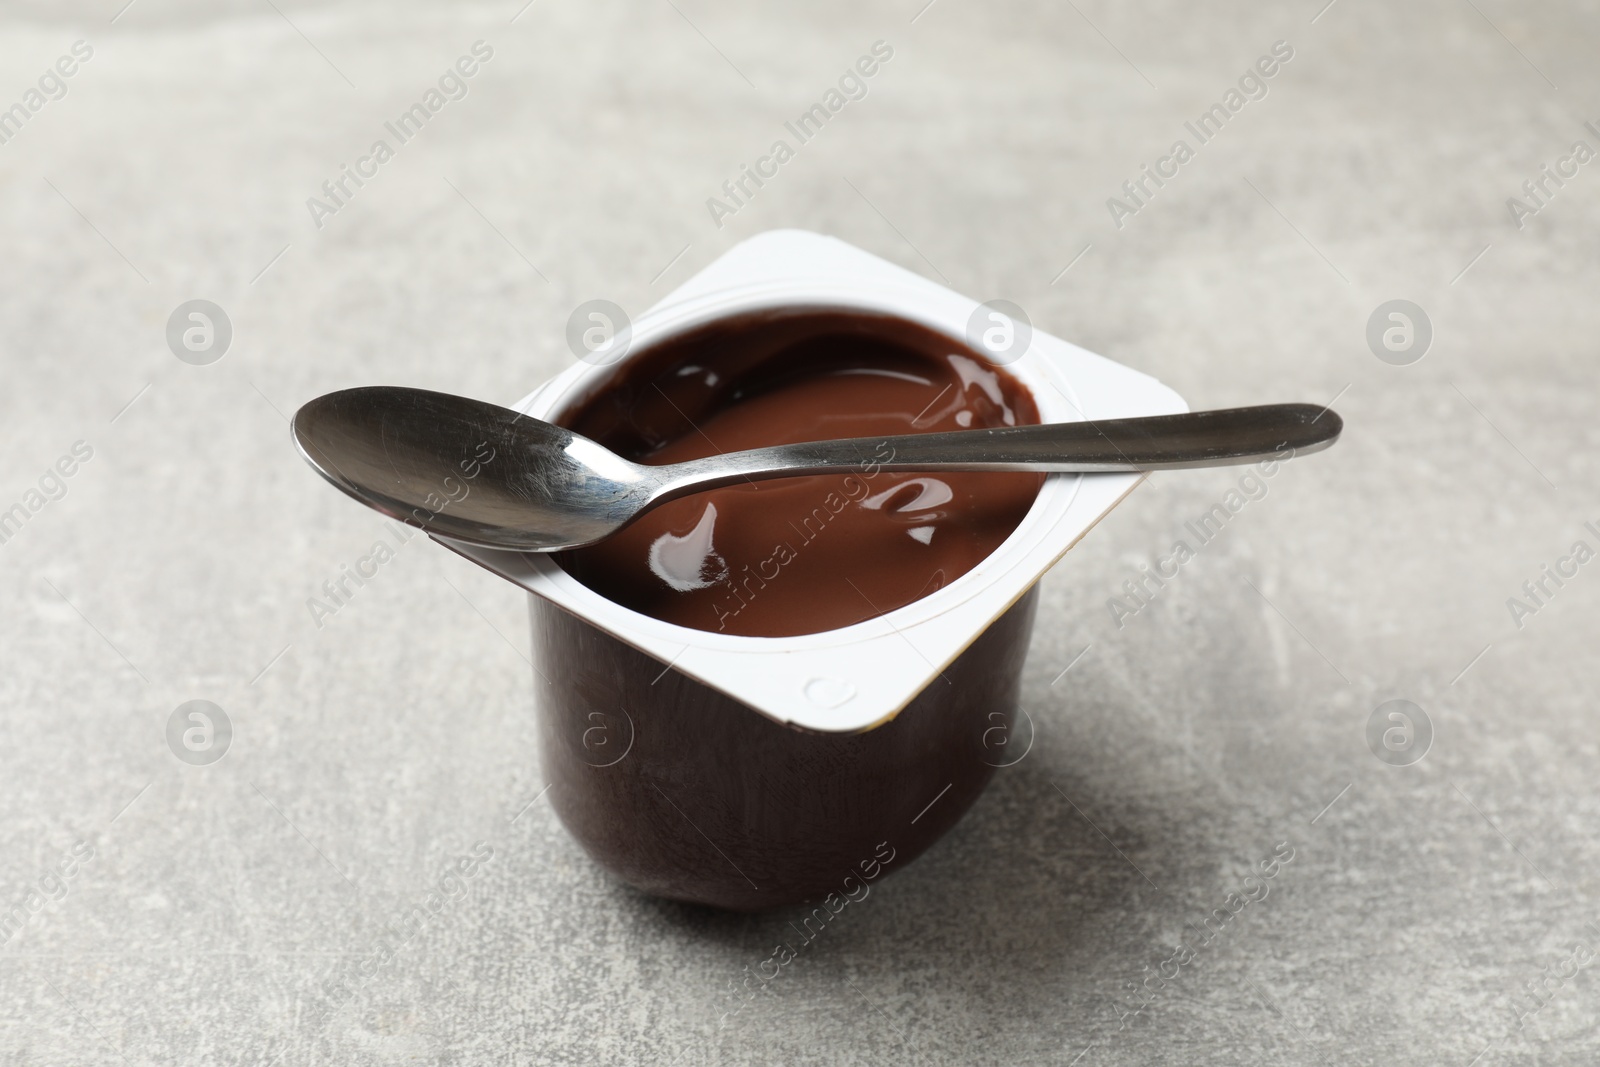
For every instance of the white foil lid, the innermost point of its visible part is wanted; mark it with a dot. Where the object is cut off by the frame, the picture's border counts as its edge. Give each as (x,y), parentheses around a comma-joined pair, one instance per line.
(860,676)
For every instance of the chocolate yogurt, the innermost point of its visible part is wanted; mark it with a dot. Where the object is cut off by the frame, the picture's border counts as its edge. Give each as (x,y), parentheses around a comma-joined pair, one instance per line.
(782,691)
(801,555)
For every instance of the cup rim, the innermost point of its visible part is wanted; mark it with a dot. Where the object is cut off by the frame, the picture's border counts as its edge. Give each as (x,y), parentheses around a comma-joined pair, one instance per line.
(857,677)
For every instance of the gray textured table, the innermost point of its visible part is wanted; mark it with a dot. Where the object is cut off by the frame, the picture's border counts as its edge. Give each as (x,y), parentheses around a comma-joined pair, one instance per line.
(158,912)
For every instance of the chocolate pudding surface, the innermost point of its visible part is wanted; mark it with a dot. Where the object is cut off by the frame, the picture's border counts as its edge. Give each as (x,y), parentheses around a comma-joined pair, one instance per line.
(801,555)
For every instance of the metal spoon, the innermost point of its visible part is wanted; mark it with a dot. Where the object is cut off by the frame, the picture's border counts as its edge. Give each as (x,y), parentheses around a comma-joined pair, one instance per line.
(485,475)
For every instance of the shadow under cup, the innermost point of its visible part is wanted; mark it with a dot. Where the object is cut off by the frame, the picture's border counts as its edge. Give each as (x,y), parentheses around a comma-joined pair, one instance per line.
(688,793)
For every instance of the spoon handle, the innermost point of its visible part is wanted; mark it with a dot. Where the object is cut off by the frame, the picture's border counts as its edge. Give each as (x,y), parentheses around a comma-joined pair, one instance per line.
(1159,442)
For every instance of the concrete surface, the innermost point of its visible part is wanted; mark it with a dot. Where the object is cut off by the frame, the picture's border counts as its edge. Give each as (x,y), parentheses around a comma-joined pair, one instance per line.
(210,910)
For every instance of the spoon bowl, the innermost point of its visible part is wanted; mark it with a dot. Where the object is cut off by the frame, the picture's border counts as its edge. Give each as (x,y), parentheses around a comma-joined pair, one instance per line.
(470,471)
